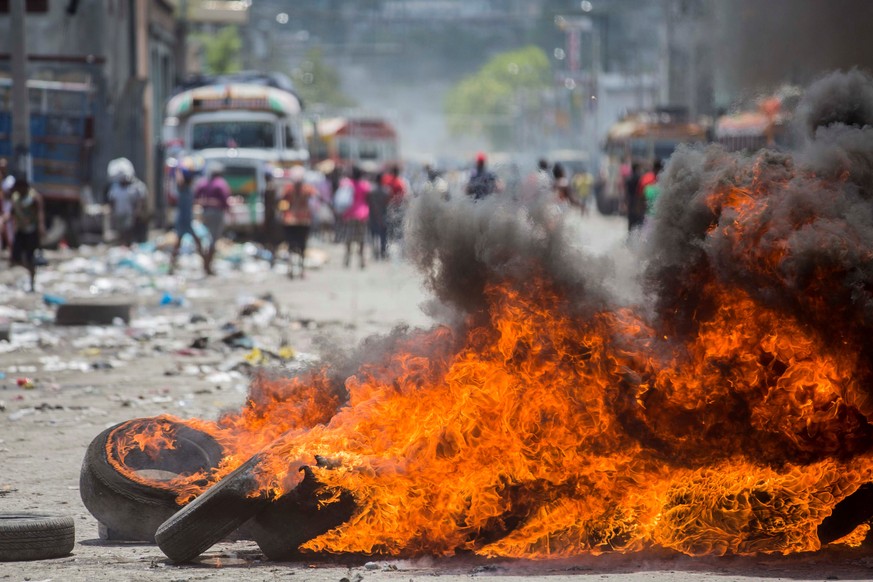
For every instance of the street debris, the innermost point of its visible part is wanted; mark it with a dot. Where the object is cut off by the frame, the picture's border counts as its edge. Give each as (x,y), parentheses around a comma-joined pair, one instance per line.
(106,310)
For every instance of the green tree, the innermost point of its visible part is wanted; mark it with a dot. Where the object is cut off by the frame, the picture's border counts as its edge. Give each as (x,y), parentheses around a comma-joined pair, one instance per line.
(318,83)
(221,51)
(486,102)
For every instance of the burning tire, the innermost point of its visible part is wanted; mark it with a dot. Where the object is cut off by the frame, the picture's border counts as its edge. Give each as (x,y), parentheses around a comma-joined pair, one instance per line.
(212,516)
(30,536)
(297,518)
(131,510)
(848,514)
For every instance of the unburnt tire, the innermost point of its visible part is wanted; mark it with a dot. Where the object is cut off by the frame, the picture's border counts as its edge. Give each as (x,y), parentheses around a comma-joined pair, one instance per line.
(92,313)
(32,536)
(212,516)
(130,510)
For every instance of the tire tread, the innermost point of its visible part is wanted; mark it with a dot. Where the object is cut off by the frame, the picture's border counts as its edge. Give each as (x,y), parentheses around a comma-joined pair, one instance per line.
(35,537)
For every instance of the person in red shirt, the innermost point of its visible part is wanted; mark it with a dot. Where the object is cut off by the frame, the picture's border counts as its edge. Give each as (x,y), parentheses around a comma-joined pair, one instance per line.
(396,188)
(648,179)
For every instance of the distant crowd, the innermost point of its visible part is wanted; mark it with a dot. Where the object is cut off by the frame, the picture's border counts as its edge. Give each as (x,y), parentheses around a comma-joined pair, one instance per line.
(361,209)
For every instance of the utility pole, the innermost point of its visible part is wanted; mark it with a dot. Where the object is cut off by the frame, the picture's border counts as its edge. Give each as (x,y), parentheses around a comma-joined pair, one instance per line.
(573,27)
(20,104)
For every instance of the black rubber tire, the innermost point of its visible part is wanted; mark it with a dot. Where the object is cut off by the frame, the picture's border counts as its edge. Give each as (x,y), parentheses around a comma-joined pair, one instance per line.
(33,536)
(211,517)
(92,313)
(847,515)
(130,510)
(296,518)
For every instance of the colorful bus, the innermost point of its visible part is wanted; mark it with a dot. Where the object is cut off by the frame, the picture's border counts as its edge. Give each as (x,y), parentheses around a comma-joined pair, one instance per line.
(250,128)
(346,141)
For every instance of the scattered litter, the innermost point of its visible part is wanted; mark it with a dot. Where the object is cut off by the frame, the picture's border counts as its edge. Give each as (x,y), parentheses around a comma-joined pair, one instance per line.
(170,300)
(223,377)
(238,339)
(201,343)
(21,413)
(50,299)
(25,383)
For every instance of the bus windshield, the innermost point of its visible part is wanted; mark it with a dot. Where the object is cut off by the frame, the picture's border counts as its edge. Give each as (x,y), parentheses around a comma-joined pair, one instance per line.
(233,134)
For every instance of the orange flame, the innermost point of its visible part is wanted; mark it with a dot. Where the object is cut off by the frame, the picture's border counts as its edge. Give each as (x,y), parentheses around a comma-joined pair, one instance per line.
(541,433)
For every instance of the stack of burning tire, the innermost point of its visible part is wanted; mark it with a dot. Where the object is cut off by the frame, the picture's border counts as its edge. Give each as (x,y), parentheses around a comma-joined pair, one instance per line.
(145,506)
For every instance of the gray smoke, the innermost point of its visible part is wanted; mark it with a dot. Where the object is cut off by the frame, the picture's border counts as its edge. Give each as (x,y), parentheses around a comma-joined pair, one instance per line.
(805,242)
(794,232)
(461,246)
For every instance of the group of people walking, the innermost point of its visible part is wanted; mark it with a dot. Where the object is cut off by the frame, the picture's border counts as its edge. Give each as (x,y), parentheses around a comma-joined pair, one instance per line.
(548,181)
(369,206)
(363,207)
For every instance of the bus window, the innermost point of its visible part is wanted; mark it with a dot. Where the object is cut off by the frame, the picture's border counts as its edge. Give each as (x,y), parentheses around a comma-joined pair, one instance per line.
(233,134)
(368,150)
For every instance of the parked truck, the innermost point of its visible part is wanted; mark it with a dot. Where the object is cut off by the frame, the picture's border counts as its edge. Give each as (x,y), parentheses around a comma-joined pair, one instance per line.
(251,125)
(62,144)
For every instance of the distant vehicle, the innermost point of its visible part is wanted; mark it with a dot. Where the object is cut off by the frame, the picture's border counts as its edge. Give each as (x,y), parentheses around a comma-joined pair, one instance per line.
(641,137)
(767,124)
(250,127)
(62,144)
(370,142)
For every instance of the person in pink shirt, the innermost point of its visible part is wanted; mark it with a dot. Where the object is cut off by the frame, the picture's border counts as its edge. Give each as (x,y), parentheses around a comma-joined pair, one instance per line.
(213,196)
(357,216)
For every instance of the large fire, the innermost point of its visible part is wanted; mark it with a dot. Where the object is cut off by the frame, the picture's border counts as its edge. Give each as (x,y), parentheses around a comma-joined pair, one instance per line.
(722,420)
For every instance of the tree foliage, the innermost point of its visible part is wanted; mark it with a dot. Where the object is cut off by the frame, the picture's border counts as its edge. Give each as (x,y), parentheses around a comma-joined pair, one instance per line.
(486,103)
(222,51)
(317,83)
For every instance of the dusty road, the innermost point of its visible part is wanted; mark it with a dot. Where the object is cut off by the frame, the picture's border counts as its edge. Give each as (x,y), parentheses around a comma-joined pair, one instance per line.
(61,386)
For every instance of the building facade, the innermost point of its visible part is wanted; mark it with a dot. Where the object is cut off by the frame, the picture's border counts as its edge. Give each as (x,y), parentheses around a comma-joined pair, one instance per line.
(125,50)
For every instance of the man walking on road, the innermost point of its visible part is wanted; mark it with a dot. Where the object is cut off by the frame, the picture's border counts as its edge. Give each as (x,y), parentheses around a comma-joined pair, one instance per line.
(185,178)
(29,221)
(127,198)
(297,218)
(483,182)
